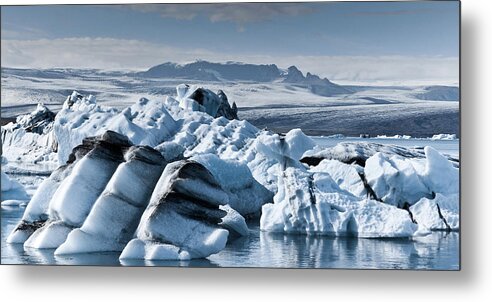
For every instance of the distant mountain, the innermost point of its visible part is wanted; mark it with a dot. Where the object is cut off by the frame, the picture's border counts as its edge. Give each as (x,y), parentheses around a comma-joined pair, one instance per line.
(439,93)
(316,84)
(234,71)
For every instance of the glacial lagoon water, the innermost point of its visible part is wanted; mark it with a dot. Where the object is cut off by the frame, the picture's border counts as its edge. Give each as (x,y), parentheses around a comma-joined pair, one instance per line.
(437,251)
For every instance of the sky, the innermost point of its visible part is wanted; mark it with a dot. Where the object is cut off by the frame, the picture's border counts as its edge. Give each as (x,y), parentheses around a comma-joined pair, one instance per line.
(358,42)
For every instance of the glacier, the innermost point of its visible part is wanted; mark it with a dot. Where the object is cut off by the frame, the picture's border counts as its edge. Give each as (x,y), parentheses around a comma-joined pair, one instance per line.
(178,177)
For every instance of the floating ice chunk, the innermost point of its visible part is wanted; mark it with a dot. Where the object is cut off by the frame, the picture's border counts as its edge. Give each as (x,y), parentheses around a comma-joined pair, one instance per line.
(396,136)
(373,219)
(444,137)
(30,139)
(14,203)
(404,181)
(12,189)
(315,204)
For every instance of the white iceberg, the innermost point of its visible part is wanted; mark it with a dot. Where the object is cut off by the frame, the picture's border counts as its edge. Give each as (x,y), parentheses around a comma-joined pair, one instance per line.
(31,138)
(439,213)
(444,137)
(399,181)
(12,191)
(314,204)
(188,175)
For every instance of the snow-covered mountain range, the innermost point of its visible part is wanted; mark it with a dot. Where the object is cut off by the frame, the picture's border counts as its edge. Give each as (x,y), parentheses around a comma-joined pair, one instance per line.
(240,72)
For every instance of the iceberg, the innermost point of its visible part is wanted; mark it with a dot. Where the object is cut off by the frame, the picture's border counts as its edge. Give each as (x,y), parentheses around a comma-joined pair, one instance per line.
(182,218)
(444,137)
(74,198)
(196,98)
(36,212)
(31,138)
(114,217)
(12,191)
(324,209)
(349,153)
(177,179)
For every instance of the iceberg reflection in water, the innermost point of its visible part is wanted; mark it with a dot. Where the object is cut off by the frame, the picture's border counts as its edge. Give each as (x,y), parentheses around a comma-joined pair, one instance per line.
(438,251)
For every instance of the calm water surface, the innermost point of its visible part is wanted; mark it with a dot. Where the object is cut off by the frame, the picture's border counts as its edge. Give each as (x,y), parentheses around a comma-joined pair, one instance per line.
(438,251)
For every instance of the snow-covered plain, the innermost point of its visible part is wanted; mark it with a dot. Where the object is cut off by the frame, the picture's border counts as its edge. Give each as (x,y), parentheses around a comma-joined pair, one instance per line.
(279,104)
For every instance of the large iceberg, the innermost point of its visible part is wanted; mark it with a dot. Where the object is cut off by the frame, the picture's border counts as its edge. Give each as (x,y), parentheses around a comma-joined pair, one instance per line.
(77,210)
(313,203)
(178,178)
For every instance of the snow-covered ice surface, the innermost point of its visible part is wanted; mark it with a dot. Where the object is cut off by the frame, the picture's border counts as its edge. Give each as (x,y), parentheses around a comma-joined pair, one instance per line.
(212,173)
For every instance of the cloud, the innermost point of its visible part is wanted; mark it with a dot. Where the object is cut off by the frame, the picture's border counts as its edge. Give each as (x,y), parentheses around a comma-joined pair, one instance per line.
(392,12)
(15,31)
(240,13)
(103,53)
(108,53)
(395,70)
